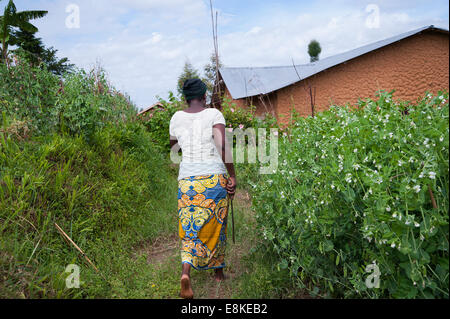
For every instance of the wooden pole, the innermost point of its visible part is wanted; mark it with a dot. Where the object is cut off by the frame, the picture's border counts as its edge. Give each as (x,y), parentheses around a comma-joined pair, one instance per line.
(216,87)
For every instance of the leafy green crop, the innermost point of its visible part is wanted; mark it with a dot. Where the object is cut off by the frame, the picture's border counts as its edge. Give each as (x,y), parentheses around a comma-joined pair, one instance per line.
(80,103)
(358,186)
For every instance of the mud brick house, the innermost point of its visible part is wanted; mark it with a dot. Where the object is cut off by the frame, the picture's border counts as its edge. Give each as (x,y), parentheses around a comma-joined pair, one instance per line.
(411,63)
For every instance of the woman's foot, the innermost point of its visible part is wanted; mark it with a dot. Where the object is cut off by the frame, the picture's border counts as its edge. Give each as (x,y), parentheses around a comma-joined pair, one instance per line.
(186,289)
(219,275)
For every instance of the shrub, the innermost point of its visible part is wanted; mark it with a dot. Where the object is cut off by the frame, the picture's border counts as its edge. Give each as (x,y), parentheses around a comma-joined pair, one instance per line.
(28,92)
(87,102)
(157,123)
(237,117)
(79,103)
(358,186)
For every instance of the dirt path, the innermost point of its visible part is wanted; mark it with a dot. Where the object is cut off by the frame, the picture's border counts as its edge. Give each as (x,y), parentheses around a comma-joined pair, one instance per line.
(163,254)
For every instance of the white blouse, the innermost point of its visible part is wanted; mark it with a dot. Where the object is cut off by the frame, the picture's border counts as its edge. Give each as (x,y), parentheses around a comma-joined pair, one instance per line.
(194,132)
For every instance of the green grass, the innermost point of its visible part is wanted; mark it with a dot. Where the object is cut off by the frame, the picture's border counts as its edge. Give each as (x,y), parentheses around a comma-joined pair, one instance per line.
(108,196)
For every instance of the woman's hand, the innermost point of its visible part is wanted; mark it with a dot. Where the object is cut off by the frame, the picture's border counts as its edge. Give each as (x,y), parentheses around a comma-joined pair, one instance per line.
(231,186)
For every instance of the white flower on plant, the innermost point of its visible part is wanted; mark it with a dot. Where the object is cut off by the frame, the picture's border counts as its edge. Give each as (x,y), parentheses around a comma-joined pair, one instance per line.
(400,163)
(394,215)
(391,135)
(416,224)
(355,150)
(421,175)
(432,175)
(356,166)
(441,97)
(393,245)
(332,186)
(348,178)
(441,139)
(388,208)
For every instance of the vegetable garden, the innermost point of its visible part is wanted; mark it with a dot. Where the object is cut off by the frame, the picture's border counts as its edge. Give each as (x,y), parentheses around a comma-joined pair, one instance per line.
(361,185)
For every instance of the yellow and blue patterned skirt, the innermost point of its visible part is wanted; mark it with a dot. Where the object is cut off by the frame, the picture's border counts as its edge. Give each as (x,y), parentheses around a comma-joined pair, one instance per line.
(203,212)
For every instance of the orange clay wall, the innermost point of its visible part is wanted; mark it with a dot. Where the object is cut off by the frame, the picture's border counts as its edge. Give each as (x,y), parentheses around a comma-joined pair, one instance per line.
(411,67)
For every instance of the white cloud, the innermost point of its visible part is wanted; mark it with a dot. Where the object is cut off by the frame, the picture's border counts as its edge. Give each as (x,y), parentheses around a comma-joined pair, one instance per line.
(254,30)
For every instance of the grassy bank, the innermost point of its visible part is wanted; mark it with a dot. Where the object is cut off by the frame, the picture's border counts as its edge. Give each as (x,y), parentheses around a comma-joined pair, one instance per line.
(108,196)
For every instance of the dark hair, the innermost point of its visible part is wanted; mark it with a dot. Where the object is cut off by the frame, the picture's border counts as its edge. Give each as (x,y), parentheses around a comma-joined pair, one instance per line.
(194,88)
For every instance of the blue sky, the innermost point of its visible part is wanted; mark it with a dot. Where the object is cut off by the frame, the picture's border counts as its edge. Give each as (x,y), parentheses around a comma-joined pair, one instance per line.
(143,44)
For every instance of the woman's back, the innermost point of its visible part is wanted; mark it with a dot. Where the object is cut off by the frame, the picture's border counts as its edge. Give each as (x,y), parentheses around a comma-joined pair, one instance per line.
(194,132)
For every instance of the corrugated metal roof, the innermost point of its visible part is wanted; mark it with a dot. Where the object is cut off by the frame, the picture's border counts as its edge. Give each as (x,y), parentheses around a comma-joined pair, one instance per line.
(248,81)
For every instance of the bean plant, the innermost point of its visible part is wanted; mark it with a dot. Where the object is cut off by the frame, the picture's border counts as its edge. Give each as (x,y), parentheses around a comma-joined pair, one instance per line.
(359,204)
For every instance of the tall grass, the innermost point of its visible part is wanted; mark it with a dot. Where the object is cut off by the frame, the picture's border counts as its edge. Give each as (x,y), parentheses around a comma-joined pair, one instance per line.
(108,196)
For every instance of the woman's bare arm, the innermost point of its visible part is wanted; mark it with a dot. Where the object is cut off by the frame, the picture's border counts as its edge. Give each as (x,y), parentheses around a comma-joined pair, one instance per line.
(173,142)
(225,153)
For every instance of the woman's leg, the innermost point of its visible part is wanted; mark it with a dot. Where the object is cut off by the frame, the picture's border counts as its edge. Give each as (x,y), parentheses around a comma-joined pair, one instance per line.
(219,275)
(186,288)
(186,270)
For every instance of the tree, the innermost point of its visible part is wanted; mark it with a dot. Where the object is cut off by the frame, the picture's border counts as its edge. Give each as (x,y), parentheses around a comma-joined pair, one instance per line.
(12,19)
(36,53)
(189,72)
(314,50)
(210,73)
(54,64)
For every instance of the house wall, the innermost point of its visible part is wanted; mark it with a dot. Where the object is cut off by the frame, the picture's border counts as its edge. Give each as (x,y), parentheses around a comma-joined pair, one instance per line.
(410,66)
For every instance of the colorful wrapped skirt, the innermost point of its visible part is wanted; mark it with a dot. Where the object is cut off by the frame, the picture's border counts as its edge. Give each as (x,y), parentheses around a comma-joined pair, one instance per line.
(203,212)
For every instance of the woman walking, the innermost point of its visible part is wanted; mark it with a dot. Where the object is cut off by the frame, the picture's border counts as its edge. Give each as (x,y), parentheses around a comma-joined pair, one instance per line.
(206,176)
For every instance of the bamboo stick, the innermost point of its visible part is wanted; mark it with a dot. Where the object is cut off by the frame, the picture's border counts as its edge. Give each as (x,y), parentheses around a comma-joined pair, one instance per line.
(69,240)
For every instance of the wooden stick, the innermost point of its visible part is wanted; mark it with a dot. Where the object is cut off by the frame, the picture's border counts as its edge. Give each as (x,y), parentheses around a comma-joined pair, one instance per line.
(230,200)
(69,240)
